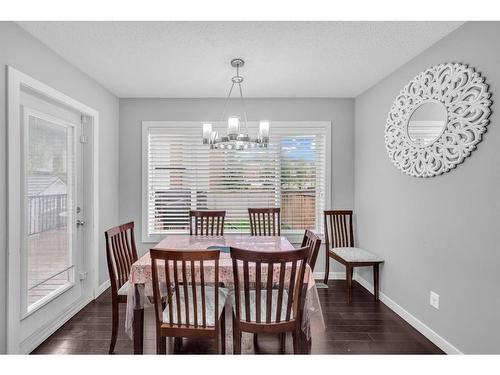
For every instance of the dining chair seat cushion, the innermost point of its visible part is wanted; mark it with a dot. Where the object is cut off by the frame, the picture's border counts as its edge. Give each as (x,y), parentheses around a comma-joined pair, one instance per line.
(355,254)
(263,309)
(209,306)
(123,291)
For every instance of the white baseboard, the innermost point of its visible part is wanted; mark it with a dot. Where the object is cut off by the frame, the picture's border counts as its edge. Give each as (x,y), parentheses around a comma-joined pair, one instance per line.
(101,288)
(319,275)
(33,341)
(425,330)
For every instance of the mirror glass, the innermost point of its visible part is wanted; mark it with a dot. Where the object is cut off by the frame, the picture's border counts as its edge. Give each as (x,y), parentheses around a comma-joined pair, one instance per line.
(427,123)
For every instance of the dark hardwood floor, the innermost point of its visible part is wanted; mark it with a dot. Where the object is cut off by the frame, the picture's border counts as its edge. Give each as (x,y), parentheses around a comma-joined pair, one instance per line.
(363,327)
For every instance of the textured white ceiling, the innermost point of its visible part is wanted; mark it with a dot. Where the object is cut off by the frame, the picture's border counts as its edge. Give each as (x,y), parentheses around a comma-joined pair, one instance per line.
(283,59)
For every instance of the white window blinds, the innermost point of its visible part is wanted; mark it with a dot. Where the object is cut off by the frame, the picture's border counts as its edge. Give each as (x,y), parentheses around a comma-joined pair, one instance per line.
(180,174)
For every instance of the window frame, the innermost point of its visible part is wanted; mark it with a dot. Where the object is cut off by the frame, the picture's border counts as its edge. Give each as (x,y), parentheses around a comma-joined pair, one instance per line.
(16,83)
(326,126)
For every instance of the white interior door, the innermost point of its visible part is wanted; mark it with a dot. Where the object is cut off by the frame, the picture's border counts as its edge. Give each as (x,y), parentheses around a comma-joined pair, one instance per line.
(52,181)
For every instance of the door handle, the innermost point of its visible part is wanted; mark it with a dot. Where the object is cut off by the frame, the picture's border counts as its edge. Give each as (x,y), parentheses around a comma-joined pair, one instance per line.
(80,223)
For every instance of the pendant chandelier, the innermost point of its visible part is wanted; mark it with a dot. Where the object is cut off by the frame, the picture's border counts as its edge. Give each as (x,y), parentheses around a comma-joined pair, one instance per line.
(236,138)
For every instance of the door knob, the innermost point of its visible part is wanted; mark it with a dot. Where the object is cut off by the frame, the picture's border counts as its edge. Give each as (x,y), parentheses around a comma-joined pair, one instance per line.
(80,223)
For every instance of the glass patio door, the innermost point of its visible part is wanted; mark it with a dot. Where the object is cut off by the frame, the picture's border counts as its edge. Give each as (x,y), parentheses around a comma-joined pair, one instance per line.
(52,217)
(53,208)
(50,178)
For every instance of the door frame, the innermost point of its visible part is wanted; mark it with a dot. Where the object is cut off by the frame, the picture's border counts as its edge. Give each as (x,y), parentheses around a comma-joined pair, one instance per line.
(16,80)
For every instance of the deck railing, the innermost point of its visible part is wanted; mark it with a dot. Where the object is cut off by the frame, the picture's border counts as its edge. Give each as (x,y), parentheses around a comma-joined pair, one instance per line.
(46,212)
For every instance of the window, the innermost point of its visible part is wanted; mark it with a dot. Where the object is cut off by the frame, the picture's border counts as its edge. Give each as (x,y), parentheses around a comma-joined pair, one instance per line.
(180,173)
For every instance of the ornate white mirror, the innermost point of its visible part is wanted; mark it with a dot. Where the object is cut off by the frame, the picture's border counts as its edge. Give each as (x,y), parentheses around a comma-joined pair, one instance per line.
(437,120)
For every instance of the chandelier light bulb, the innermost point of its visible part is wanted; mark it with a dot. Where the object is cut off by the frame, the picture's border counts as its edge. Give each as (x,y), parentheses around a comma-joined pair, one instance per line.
(233,126)
(264,131)
(207,130)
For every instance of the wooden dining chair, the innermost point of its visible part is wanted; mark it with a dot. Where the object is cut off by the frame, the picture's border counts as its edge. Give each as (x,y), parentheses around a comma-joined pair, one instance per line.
(339,245)
(121,253)
(260,306)
(206,223)
(265,221)
(194,304)
(313,242)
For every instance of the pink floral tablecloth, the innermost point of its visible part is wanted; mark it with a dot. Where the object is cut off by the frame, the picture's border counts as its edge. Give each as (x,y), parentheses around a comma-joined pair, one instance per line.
(141,276)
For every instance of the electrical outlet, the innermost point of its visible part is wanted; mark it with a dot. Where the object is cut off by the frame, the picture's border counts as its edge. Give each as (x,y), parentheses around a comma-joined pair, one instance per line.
(434,300)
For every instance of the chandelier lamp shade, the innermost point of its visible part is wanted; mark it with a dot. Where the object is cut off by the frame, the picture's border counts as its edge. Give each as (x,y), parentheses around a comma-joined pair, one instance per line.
(237,136)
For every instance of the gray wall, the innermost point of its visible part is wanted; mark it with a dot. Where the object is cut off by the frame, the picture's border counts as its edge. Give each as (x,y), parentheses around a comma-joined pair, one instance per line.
(20,50)
(132,111)
(441,233)
(438,234)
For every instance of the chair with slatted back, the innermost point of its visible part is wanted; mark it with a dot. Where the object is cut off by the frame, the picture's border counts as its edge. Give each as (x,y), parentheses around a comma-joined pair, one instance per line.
(121,253)
(265,221)
(260,306)
(339,245)
(194,303)
(313,242)
(206,223)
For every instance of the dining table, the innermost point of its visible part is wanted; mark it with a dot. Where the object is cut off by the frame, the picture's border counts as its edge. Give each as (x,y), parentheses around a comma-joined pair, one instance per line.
(140,289)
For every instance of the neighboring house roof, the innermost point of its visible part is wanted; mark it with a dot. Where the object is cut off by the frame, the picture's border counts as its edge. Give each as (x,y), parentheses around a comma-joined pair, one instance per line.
(45,185)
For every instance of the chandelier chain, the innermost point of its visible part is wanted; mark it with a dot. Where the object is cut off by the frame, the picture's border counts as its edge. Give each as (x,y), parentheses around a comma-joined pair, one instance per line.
(244,108)
(227,101)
